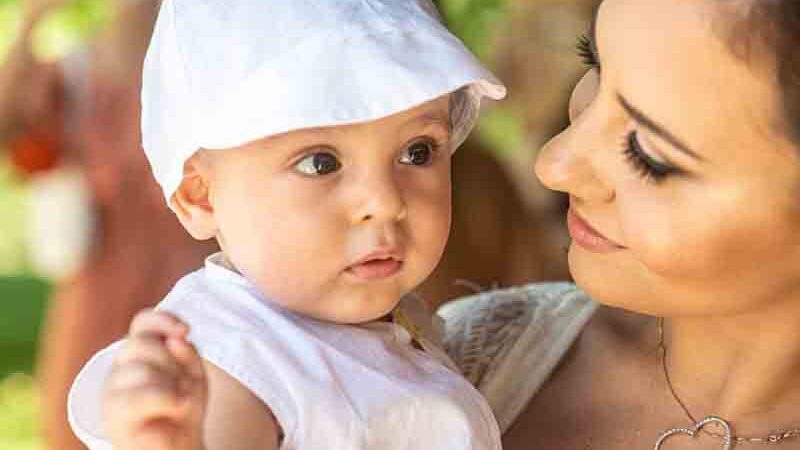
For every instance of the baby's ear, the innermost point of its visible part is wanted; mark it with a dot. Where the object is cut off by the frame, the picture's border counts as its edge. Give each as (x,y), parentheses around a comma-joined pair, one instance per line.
(191,201)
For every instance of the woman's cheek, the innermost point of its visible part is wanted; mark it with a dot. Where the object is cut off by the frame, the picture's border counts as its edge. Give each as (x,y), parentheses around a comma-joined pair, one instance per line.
(660,232)
(688,236)
(652,242)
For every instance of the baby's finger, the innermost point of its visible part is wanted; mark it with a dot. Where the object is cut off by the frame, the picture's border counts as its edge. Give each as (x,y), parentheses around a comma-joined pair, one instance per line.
(128,377)
(142,393)
(151,349)
(158,322)
(193,386)
(187,356)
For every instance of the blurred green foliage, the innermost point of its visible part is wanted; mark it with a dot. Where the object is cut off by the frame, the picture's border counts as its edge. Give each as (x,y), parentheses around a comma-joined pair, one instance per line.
(68,28)
(12,210)
(61,32)
(473,21)
(19,412)
(22,300)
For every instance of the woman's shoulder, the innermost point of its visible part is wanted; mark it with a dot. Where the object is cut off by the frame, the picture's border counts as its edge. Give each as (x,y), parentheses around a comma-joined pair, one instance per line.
(508,341)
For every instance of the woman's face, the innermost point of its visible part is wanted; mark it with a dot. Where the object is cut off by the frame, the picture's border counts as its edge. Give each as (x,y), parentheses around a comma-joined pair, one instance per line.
(684,193)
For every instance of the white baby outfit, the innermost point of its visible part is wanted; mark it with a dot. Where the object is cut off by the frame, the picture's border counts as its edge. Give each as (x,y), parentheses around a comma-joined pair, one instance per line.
(330,386)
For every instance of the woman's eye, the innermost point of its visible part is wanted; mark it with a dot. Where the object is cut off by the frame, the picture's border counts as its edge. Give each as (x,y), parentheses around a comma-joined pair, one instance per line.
(645,165)
(418,154)
(318,164)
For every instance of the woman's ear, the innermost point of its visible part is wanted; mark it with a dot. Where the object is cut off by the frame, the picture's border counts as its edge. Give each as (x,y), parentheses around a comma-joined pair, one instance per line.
(191,202)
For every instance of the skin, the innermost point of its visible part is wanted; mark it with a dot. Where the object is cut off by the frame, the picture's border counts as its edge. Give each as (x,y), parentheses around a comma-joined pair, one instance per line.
(271,217)
(713,247)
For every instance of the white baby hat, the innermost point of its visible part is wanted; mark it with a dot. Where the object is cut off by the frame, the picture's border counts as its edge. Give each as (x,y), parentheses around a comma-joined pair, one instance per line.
(220,73)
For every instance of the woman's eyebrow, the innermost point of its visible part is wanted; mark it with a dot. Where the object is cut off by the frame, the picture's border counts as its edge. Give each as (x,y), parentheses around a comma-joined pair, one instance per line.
(657,129)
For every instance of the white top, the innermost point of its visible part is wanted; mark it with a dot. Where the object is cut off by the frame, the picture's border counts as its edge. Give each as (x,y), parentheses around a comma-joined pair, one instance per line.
(507,342)
(330,386)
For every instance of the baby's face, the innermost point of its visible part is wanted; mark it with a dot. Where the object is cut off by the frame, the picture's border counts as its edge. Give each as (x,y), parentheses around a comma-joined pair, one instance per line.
(338,223)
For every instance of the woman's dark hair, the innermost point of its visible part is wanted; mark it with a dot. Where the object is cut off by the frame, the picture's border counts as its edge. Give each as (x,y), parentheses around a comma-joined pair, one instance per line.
(774,26)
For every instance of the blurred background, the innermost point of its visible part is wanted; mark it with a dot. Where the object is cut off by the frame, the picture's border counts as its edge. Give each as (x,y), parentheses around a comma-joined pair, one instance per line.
(85,240)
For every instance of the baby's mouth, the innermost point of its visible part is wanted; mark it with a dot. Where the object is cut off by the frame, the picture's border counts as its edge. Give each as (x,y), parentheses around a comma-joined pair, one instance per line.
(377,265)
(376,269)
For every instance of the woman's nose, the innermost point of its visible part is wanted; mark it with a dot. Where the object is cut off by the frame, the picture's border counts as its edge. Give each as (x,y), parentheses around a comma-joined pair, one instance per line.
(566,165)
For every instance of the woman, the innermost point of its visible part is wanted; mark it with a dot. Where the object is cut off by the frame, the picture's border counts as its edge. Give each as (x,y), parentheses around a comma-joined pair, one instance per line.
(682,163)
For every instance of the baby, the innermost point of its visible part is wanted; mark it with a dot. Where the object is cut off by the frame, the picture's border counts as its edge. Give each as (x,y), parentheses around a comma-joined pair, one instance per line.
(312,139)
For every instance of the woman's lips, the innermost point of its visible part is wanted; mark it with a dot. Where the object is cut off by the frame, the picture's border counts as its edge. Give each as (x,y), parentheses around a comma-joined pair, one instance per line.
(587,237)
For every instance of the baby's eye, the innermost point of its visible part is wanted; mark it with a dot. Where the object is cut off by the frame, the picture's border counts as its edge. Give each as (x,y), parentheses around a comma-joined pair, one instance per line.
(318,164)
(418,154)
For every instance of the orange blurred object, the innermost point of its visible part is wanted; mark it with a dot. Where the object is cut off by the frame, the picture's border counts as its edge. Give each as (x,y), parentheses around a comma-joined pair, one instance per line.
(34,151)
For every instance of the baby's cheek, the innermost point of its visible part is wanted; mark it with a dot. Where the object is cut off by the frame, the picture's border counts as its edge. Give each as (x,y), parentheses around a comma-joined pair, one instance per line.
(288,258)
(431,210)
(430,229)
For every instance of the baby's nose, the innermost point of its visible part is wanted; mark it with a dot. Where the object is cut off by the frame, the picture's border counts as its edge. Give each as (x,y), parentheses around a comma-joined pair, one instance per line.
(382,202)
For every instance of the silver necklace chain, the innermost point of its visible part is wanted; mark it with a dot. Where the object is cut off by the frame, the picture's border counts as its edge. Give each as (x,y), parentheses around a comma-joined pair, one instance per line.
(774,438)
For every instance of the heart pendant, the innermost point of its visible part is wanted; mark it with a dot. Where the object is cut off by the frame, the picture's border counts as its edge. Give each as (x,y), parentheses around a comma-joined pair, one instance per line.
(727,437)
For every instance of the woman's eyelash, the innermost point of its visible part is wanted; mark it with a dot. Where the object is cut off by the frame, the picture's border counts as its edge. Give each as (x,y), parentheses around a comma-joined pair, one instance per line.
(585,52)
(647,167)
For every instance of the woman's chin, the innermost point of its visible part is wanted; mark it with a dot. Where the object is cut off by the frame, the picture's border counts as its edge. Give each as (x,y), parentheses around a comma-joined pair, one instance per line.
(611,282)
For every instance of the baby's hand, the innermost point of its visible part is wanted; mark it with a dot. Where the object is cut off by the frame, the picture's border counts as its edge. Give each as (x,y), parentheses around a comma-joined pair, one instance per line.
(156,393)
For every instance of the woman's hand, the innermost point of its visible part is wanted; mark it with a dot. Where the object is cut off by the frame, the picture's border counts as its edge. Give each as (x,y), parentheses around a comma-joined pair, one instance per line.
(156,394)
